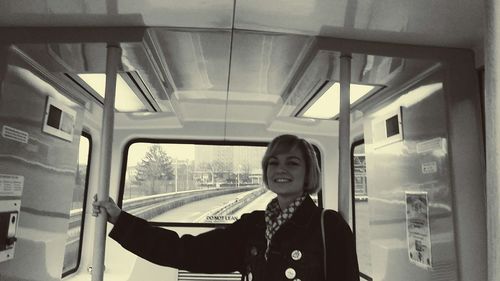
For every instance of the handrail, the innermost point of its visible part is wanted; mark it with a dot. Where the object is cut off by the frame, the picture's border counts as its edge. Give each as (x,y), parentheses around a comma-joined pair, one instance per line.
(160,202)
(233,206)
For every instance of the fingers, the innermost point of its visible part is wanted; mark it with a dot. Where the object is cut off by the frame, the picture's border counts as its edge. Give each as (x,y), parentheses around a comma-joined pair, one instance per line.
(109,206)
(97,205)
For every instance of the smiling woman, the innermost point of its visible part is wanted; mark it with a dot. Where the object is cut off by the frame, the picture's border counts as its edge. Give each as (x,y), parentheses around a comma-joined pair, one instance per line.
(291,168)
(291,226)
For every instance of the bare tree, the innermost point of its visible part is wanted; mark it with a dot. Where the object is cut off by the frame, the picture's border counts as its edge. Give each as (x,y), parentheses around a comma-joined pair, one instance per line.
(245,171)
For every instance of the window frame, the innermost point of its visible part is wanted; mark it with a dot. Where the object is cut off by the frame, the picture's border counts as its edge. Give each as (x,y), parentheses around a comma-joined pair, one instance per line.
(353,199)
(194,142)
(87,135)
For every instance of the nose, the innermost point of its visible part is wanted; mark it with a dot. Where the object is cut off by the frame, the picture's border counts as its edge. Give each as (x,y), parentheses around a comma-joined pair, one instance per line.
(281,168)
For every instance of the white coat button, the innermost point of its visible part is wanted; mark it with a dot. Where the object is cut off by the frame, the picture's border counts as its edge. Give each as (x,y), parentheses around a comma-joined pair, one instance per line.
(290,273)
(297,279)
(296,255)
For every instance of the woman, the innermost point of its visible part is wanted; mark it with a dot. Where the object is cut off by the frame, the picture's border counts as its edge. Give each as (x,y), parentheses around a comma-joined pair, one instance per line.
(283,243)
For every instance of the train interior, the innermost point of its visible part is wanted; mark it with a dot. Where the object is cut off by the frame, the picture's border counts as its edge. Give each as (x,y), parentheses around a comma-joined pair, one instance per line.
(404,165)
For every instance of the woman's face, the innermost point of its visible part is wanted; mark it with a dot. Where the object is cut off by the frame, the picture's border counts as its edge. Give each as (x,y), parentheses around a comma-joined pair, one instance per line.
(286,173)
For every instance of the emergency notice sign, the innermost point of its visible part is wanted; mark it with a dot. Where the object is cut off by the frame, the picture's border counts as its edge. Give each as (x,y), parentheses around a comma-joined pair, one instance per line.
(418,230)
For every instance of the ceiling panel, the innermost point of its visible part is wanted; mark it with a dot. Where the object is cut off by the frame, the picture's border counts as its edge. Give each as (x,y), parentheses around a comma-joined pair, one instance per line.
(264,63)
(193,13)
(428,22)
(196,60)
(388,72)
(196,64)
(456,23)
(67,60)
(200,69)
(262,67)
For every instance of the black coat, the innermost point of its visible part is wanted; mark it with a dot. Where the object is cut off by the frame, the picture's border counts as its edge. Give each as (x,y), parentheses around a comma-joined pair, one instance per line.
(296,250)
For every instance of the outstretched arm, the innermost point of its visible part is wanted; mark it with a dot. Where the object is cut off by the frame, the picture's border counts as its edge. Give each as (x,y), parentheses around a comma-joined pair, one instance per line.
(219,250)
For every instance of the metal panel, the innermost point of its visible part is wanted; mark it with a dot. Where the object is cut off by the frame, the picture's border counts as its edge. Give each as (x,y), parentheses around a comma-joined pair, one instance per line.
(197,60)
(423,22)
(48,165)
(197,13)
(263,66)
(417,163)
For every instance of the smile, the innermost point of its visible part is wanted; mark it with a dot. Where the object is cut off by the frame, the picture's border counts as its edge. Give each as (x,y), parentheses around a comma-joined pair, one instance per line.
(282,180)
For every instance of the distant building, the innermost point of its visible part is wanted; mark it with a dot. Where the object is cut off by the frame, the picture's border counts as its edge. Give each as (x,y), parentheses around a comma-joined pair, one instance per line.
(228,163)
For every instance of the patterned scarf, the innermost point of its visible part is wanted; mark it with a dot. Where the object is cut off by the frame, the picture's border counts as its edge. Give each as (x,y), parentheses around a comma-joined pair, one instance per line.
(275,217)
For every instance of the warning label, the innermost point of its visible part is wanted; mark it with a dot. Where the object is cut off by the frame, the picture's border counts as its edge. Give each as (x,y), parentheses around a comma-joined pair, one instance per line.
(11,185)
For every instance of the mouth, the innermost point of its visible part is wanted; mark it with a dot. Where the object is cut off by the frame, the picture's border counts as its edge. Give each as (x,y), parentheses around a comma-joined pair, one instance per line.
(282,180)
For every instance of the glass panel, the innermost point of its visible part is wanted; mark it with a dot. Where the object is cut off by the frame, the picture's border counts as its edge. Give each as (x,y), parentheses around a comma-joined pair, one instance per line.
(194,183)
(72,250)
(328,104)
(361,215)
(126,99)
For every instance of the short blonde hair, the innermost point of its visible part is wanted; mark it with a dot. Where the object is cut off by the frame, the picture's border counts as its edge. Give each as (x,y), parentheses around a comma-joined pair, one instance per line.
(285,143)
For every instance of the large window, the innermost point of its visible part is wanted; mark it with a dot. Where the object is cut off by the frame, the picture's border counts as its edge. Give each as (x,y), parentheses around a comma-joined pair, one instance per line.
(73,241)
(361,209)
(193,183)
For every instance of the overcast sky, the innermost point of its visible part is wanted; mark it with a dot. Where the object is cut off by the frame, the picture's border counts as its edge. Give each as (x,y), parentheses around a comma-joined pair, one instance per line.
(137,151)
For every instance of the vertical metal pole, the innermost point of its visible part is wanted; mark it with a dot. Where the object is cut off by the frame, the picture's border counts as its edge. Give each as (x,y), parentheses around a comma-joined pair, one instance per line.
(344,137)
(113,59)
(492,130)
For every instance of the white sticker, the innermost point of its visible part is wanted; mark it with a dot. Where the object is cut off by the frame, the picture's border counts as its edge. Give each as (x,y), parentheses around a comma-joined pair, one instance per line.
(11,185)
(430,145)
(429,168)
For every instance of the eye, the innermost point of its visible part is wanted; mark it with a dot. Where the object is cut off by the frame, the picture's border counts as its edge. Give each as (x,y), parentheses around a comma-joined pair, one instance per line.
(272,163)
(293,163)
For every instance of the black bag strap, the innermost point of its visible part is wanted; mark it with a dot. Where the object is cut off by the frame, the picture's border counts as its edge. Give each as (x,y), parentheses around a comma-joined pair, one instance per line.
(324,240)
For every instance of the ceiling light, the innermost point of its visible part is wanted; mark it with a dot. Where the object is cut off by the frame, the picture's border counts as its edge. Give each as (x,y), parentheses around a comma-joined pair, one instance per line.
(126,99)
(326,104)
